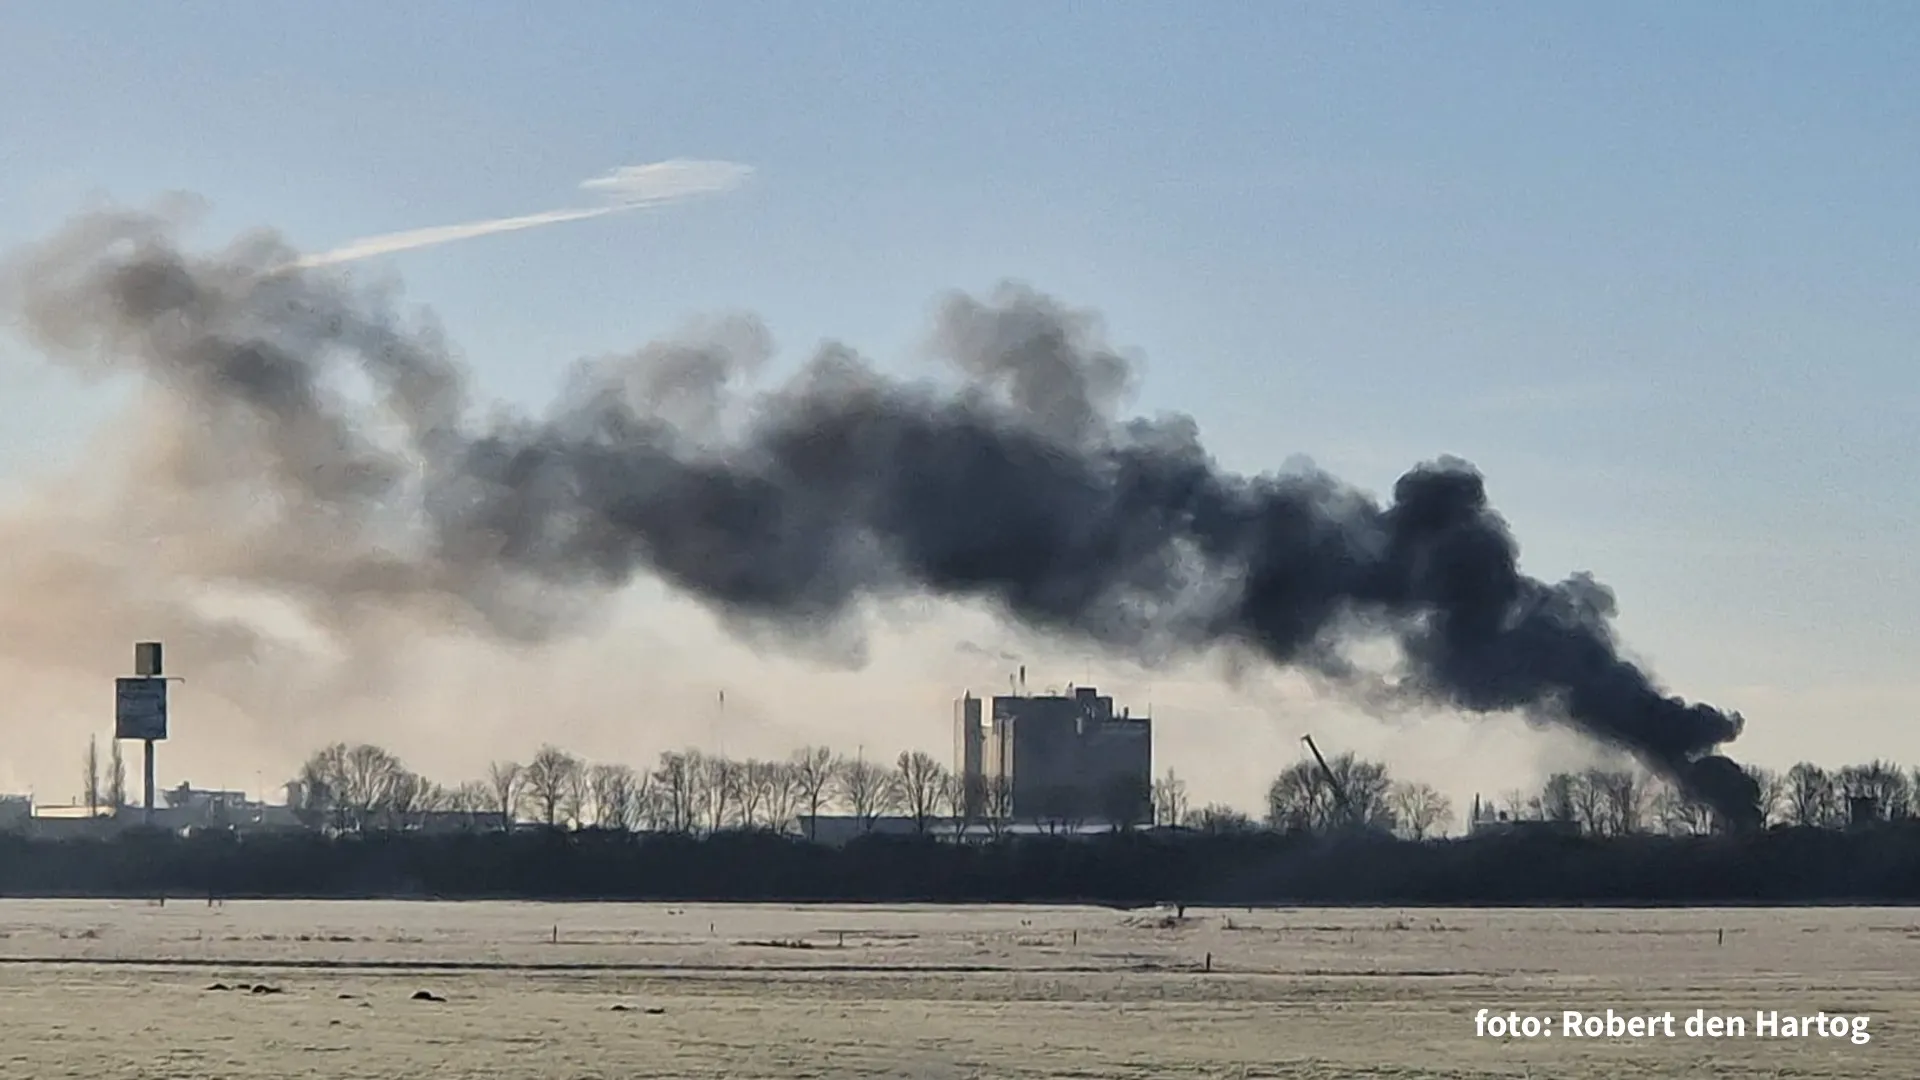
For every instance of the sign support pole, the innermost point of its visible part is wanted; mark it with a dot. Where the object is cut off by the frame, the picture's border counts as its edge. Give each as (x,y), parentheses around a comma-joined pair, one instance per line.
(147,815)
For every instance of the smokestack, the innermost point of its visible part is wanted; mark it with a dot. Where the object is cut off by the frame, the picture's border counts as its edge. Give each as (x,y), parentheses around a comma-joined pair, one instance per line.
(1023,487)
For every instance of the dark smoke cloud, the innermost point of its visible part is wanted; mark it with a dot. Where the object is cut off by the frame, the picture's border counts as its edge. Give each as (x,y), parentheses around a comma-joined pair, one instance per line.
(332,418)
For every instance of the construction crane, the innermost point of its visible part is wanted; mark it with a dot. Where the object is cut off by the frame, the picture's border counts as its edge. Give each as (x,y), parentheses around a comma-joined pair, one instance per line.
(1340,800)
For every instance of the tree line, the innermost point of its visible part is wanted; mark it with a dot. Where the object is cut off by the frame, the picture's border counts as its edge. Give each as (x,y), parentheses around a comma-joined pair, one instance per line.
(689,791)
(362,787)
(365,787)
(1613,802)
(699,826)
(1596,801)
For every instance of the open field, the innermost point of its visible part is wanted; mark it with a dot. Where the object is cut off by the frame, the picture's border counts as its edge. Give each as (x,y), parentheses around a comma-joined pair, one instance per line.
(99,990)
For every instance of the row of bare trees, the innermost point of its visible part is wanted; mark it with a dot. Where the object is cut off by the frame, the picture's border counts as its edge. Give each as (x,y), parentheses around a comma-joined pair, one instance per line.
(352,787)
(1303,799)
(103,785)
(1606,802)
(687,791)
(1810,795)
(1614,802)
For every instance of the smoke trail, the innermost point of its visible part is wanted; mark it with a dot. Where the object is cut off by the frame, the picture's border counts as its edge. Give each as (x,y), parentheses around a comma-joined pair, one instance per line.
(630,187)
(787,506)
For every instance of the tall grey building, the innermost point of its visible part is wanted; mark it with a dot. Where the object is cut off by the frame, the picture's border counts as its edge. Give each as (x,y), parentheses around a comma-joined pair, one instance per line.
(1054,758)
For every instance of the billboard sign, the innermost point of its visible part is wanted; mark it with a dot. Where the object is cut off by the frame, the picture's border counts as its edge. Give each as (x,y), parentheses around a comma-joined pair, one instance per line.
(140,708)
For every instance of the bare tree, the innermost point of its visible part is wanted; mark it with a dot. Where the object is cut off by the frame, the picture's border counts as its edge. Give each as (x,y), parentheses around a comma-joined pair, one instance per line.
(1810,796)
(613,795)
(1679,814)
(1368,785)
(475,797)
(630,800)
(639,812)
(576,797)
(997,800)
(953,801)
(868,789)
(465,804)
(1623,800)
(317,803)
(116,776)
(90,775)
(352,786)
(1557,798)
(676,785)
(1773,791)
(720,783)
(623,799)
(368,776)
(1883,782)
(920,780)
(1169,800)
(407,799)
(753,790)
(1421,809)
(549,779)
(652,806)
(1589,801)
(778,796)
(505,780)
(1301,798)
(310,795)
(813,773)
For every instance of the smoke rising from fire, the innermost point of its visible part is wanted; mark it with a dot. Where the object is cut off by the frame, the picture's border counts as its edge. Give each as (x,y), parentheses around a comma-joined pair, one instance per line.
(332,454)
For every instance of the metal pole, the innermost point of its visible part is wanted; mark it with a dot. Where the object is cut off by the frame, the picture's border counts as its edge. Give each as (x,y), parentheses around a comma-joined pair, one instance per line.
(149,782)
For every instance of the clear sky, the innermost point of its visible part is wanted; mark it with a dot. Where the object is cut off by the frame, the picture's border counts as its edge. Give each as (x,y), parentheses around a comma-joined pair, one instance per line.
(1652,267)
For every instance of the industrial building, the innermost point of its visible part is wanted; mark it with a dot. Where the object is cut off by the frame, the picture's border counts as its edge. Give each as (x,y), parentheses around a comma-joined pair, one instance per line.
(1061,758)
(186,809)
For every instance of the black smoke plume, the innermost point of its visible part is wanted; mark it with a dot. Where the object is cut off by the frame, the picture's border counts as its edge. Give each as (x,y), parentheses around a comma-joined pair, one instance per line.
(309,409)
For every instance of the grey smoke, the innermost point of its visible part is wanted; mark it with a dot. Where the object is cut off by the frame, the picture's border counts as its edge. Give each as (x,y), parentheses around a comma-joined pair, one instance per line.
(347,439)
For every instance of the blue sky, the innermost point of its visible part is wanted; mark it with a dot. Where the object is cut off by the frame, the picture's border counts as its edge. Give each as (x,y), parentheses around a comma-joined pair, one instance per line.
(1652,267)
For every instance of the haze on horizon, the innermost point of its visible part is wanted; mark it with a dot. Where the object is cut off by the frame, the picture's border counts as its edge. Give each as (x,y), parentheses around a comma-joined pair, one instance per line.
(1370,242)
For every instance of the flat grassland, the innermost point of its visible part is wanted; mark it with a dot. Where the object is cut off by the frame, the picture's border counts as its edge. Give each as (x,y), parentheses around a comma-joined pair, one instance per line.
(103,990)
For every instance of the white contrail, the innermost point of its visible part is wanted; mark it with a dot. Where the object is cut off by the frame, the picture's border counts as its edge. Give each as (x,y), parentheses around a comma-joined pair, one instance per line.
(630,187)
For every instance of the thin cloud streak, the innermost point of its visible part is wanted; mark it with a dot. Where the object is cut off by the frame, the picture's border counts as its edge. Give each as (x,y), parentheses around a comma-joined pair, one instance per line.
(630,187)
(410,239)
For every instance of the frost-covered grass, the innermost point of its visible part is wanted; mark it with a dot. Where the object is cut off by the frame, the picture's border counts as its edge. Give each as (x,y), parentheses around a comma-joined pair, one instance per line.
(101,990)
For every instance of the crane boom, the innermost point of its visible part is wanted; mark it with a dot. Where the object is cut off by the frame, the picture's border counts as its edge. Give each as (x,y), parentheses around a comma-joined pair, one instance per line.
(1339,793)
